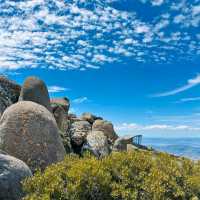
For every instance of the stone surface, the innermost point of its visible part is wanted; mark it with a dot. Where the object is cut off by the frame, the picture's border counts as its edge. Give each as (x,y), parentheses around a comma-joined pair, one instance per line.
(12,172)
(66,141)
(97,143)
(121,143)
(61,118)
(35,90)
(106,127)
(79,131)
(9,93)
(89,117)
(63,102)
(73,118)
(29,132)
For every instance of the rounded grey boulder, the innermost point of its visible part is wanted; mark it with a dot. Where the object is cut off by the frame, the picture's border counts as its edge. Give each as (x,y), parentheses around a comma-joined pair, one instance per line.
(61,118)
(28,131)
(35,90)
(89,117)
(97,143)
(106,127)
(12,172)
(122,142)
(79,131)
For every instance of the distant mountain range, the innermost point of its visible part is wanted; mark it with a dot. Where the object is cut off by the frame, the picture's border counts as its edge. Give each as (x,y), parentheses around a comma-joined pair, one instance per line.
(187,147)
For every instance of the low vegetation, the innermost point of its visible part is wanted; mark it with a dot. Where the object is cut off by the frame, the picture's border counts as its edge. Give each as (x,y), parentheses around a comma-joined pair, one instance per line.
(136,175)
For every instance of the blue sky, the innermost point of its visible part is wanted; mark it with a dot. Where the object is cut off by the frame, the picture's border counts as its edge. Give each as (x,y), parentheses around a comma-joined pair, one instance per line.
(134,62)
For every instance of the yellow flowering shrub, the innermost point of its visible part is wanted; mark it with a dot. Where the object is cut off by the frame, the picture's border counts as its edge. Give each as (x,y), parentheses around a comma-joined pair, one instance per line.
(136,175)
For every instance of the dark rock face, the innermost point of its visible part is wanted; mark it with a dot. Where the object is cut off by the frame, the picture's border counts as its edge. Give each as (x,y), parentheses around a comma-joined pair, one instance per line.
(29,132)
(79,131)
(35,90)
(89,117)
(97,143)
(63,123)
(62,102)
(61,118)
(12,172)
(106,127)
(66,141)
(9,93)
(121,143)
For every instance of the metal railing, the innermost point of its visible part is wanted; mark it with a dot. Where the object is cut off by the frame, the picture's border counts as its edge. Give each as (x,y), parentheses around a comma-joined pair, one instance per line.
(137,139)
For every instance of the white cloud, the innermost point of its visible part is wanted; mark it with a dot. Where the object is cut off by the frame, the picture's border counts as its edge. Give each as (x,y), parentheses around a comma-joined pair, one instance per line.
(188,99)
(91,33)
(190,84)
(142,29)
(179,18)
(80,100)
(157,2)
(196,10)
(56,89)
(153,127)
(153,2)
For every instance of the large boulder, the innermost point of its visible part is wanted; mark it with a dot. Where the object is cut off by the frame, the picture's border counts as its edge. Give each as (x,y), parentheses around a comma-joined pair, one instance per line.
(73,118)
(97,144)
(106,127)
(12,172)
(35,90)
(9,93)
(79,131)
(63,125)
(29,132)
(61,118)
(122,142)
(89,117)
(62,102)
(66,141)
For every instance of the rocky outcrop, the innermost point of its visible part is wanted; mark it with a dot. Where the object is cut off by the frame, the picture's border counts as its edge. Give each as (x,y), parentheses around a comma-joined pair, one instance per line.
(89,117)
(60,107)
(79,131)
(35,90)
(121,143)
(61,118)
(97,144)
(107,128)
(29,132)
(66,141)
(12,172)
(40,131)
(61,102)
(73,118)
(9,93)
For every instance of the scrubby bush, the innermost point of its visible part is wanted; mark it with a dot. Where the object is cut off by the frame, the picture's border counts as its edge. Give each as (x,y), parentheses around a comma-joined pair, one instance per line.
(136,175)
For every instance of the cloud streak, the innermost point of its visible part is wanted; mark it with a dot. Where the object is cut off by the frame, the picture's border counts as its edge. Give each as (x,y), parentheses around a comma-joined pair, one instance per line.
(189,99)
(138,127)
(190,84)
(57,89)
(80,100)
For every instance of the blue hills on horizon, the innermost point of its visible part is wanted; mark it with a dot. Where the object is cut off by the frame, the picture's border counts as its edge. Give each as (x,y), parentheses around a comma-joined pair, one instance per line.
(186,147)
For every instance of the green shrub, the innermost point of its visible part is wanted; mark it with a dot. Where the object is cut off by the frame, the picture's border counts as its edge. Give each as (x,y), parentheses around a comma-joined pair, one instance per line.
(136,175)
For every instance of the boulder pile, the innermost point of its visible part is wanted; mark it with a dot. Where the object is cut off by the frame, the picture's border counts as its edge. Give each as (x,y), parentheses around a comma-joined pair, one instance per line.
(29,132)
(36,131)
(9,93)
